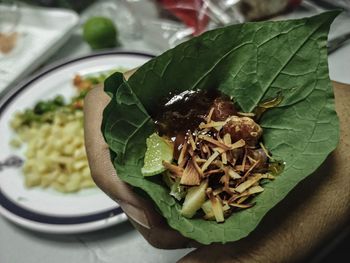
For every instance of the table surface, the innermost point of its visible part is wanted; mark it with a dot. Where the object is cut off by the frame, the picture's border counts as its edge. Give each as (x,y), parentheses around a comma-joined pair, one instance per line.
(121,243)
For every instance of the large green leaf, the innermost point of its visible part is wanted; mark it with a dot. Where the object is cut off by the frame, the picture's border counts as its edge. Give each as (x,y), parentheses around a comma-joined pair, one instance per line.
(250,62)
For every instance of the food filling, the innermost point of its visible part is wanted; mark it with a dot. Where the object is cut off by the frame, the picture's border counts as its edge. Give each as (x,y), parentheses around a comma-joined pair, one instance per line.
(218,161)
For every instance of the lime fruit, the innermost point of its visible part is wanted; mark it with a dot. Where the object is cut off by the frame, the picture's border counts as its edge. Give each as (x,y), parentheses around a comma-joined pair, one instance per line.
(158,150)
(100,32)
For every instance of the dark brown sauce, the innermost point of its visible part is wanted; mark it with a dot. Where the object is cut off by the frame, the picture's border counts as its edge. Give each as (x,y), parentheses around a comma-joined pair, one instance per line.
(184,112)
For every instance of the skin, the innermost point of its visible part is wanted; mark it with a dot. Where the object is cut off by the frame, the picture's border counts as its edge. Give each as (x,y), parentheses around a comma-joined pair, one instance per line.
(314,212)
(141,212)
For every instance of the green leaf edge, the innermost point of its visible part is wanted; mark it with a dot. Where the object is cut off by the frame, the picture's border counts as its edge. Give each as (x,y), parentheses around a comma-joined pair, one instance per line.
(169,207)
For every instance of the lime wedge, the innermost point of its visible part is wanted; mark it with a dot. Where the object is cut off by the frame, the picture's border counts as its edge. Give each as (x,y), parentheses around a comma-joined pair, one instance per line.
(158,150)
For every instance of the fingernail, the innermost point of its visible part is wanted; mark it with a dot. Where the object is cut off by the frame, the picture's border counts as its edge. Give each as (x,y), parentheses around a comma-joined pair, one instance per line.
(135,214)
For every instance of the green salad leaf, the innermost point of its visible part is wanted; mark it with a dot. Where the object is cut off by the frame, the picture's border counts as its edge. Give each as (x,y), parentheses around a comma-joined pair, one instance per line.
(251,62)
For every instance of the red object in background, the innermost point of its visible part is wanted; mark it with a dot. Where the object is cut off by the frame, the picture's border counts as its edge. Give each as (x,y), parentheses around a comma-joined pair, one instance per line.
(194,13)
(191,13)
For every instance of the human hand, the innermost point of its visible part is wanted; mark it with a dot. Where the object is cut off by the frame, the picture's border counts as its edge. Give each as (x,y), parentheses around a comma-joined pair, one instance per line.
(311,214)
(140,211)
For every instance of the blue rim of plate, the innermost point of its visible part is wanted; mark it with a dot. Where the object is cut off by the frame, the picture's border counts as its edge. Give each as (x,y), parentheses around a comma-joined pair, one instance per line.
(42,218)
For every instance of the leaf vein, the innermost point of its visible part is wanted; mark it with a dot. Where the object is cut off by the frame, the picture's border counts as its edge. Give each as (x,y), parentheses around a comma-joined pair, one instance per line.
(265,89)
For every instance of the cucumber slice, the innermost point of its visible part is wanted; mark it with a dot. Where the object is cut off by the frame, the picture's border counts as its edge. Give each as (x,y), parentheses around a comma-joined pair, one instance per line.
(207,209)
(194,199)
(177,190)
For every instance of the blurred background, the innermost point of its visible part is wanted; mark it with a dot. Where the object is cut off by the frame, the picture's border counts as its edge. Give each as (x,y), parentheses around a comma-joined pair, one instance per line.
(37,34)
(148,26)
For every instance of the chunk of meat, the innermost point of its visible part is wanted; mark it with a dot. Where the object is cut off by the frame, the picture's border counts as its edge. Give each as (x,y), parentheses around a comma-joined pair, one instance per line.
(243,128)
(260,156)
(223,108)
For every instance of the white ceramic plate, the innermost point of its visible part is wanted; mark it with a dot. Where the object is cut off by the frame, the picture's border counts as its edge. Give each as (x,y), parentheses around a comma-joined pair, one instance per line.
(41,32)
(45,209)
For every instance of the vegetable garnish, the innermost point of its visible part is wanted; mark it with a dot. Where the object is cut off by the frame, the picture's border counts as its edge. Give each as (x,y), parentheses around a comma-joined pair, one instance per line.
(158,151)
(252,63)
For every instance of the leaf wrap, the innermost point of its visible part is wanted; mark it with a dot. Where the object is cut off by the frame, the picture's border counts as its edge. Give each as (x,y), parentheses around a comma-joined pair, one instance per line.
(250,62)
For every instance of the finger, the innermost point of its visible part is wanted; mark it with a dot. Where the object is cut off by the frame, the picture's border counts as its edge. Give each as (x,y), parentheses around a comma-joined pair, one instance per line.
(102,170)
(98,154)
(151,225)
